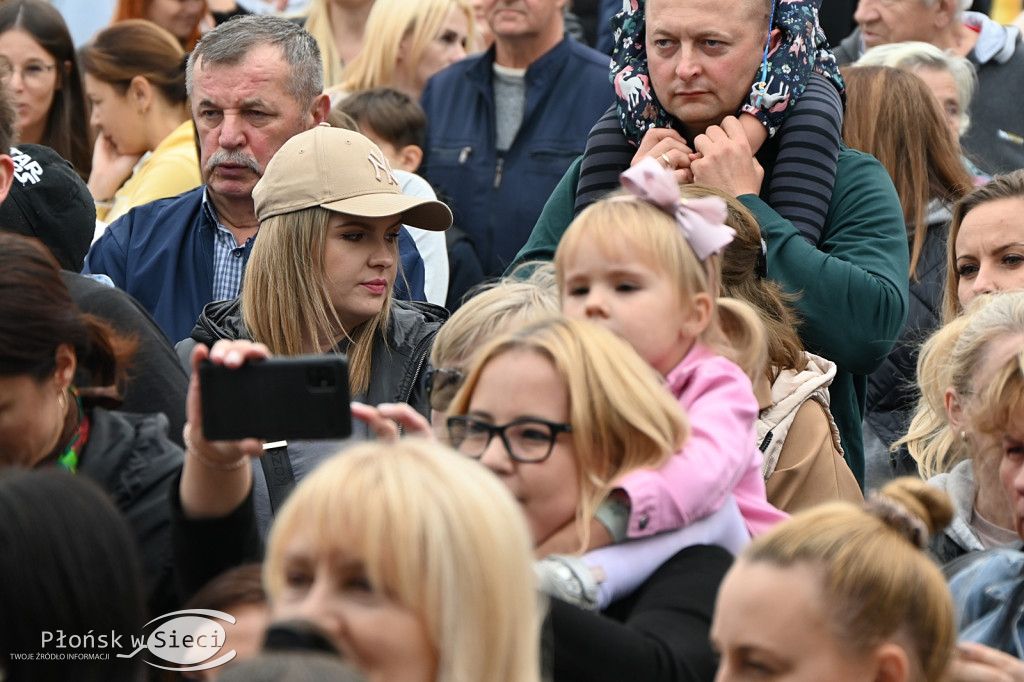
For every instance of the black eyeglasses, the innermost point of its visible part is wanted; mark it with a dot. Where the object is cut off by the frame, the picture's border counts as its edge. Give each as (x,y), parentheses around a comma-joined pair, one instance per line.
(526,440)
(441,385)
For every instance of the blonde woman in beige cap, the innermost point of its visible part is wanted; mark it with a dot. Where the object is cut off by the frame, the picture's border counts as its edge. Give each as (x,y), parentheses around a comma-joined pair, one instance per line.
(319,280)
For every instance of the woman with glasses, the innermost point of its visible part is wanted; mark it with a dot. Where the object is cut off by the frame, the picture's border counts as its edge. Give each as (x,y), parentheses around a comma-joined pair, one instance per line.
(560,410)
(39,69)
(502,307)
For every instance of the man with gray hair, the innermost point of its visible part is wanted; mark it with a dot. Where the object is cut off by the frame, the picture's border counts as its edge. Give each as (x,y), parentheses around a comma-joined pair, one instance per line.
(995,140)
(254,82)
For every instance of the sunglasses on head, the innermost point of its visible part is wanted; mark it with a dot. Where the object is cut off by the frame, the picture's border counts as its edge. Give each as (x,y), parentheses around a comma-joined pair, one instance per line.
(441,386)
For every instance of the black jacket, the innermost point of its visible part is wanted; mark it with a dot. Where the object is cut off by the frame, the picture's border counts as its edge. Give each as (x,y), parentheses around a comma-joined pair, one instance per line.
(892,388)
(131,459)
(657,634)
(399,357)
(399,362)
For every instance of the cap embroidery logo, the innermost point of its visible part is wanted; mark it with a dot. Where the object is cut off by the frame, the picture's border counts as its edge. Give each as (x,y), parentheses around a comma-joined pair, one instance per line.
(26,169)
(379,164)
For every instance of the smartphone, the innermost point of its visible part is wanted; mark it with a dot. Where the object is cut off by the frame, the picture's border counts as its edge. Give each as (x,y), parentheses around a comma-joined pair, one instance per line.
(281,398)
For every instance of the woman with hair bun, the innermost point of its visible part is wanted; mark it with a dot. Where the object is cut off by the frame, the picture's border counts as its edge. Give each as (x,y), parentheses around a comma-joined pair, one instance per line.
(145,145)
(841,592)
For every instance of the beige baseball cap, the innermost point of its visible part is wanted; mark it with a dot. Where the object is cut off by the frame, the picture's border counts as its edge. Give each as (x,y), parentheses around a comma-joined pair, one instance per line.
(341,171)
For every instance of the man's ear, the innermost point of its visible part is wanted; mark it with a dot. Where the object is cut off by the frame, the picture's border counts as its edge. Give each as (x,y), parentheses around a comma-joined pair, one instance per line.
(774,38)
(944,13)
(321,107)
(6,175)
(409,158)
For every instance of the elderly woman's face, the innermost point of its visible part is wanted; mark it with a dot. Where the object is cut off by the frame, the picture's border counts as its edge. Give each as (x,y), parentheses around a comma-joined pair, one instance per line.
(521,390)
(989,249)
(1011,470)
(385,639)
(770,624)
(942,85)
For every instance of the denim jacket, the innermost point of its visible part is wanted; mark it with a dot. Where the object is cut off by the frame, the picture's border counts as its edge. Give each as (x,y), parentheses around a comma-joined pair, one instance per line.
(983,593)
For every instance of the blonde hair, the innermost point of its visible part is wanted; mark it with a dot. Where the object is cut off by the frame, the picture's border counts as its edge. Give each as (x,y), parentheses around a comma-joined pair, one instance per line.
(285,298)
(389,23)
(622,224)
(878,584)
(622,417)
(318,25)
(498,308)
(1001,403)
(437,533)
(949,359)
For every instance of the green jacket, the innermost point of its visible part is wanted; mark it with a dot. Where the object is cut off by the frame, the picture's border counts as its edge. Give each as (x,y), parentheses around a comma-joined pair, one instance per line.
(852,287)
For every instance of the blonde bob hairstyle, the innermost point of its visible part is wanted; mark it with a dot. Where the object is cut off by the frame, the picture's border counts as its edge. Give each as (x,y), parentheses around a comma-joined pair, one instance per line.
(623,224)
(1001,403)
(622,417)
(390,23)
(437,533)
(878,585)
(495,309)
(285,302)
(950,359)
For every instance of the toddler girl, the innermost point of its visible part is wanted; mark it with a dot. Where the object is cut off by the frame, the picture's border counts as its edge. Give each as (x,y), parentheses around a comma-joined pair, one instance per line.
(643,265)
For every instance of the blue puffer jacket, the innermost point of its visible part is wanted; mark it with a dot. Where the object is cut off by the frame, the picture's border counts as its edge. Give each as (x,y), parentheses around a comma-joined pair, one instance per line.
(162,254)
(498,200)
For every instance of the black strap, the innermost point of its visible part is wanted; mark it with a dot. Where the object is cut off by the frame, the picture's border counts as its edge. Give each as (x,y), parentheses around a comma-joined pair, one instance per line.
(277,469)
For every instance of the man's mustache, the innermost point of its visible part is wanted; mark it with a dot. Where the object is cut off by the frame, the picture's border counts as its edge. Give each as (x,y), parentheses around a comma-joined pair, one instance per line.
(235,158)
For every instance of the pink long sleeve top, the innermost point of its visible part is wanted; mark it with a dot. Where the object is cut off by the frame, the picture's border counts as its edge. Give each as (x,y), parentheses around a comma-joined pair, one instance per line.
(720,457)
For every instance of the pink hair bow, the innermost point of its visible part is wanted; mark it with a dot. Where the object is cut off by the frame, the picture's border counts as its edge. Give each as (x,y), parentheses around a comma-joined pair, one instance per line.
(702,221)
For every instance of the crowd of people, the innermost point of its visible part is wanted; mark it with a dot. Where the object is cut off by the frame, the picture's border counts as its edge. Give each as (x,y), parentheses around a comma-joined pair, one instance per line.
(697,357)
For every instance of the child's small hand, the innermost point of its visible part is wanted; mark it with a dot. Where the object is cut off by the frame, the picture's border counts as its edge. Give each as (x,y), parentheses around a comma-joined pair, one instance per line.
(668,148)
(727,162)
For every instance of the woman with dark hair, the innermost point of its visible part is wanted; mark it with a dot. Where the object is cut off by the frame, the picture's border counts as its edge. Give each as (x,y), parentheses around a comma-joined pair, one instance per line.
(68,564)
(145,145)
(892,115)
(46,421)
(39,67)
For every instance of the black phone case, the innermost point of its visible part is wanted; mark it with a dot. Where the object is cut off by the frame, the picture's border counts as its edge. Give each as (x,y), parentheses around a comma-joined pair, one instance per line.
(283,398)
